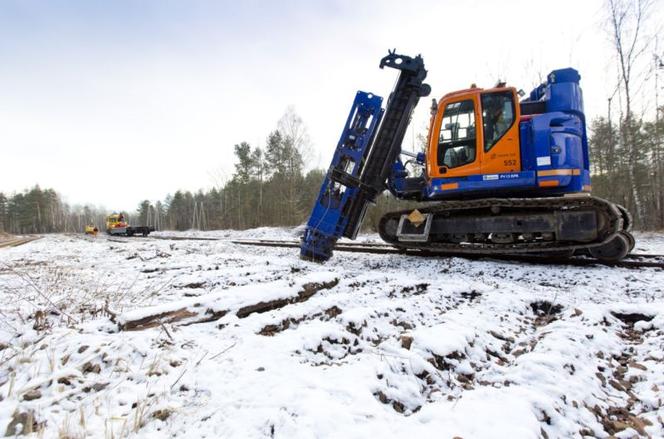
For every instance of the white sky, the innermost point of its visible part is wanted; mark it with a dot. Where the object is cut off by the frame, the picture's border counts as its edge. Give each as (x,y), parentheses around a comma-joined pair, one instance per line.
(113,102)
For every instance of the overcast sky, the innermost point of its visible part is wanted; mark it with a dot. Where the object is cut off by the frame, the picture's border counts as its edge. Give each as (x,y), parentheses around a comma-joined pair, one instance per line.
(113,102)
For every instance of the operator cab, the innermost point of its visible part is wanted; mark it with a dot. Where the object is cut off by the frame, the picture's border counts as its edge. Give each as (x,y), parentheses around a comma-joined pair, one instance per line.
(475,131)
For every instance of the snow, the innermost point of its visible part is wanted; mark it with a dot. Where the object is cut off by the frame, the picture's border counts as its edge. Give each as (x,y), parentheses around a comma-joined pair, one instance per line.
(400,346)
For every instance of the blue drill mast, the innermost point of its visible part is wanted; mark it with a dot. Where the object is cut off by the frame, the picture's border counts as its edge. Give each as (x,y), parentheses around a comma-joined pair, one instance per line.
(364,158)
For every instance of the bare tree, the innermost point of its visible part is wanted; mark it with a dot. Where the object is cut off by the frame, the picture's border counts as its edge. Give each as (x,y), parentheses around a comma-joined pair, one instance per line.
(294,130)
(626,22)
(297,152)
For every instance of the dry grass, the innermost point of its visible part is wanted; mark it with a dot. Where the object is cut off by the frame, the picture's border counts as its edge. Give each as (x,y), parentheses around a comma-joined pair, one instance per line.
(42,306)
(54,296)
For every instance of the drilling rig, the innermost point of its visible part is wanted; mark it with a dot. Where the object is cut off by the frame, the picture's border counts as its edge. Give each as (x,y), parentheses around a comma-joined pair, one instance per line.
(499,175)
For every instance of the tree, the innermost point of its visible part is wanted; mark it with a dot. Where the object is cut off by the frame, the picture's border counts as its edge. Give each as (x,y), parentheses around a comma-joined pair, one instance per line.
(295,132)
(284,165)
(259,167)
(653,132)
(159,215)
(274,153)
(178,211)
(602,147)
(245,163)
(144,213)
(626,21)
(3,213)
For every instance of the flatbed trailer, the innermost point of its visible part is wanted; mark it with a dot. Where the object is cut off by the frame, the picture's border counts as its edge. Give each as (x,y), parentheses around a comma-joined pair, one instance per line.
(130,230)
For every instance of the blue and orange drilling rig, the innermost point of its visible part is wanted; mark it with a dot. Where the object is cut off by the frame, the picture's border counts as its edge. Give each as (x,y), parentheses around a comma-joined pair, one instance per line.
(507,176)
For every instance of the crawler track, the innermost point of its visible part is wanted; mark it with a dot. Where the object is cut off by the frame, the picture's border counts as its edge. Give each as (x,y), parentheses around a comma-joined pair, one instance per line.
(465,227)
(631,261)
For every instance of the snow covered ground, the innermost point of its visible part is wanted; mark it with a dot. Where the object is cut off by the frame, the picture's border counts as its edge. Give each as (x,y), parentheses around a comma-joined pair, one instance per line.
(252,342)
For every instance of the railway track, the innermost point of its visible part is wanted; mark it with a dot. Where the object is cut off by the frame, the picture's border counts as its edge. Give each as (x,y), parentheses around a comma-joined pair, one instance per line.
(636,260)
(184,238)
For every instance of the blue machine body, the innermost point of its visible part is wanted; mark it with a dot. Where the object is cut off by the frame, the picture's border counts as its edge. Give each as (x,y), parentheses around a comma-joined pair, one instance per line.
(553,148)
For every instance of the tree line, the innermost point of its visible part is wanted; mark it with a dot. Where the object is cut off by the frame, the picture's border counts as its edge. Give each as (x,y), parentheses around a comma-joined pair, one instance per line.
(630,174)
(38,210)
(269,187)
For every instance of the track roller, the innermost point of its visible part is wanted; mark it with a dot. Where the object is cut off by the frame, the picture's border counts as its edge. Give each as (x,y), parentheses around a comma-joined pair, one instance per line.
(614,250)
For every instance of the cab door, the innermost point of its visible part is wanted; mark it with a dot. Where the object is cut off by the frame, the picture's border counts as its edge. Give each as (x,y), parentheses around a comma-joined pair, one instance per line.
(500,131)
(453,148)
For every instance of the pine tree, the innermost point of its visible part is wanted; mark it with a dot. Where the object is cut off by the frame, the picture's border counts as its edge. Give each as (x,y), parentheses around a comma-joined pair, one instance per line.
(144,212)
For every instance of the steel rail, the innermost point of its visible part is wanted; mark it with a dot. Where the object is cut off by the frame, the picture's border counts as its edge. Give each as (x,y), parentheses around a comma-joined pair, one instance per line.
(373,248)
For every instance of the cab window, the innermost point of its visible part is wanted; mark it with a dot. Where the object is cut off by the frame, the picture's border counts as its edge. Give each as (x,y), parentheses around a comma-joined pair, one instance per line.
(498,116)
(456,145)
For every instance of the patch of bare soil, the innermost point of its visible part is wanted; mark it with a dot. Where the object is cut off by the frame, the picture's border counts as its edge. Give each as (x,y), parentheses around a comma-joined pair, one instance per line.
(187,317)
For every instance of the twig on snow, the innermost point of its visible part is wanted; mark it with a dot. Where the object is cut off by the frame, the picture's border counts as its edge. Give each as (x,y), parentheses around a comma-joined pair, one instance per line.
(224,351)
(199,361)
(166,330)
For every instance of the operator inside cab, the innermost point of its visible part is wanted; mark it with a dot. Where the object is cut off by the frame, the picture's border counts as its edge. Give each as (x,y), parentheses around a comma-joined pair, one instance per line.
(498,116)
(457,136)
